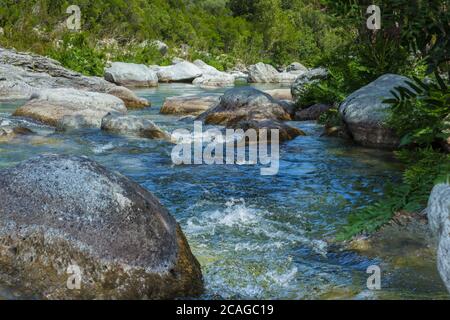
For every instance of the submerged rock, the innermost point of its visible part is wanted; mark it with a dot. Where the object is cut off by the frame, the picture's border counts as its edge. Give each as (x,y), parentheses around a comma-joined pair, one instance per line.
(23,74)
(183,71)
(247,107)
(70,108)
(189,104)
(8,132)
(365,114)
(63,214)
(439,219)
(127,124)
(131,75)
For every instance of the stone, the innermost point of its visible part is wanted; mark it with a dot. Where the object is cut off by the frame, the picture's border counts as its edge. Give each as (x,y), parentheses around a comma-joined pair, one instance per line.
(439,220)
(131,75)
(70,108)
(296,67)
(23,74)
(64,216)
(307,78)
(133,125)
(263,73)
(365,114)
(180,72)
(189,104)
(131,100)
(246,107)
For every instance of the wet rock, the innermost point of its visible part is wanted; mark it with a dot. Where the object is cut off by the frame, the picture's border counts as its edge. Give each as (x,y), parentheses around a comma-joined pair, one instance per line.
(63,214)
(9,131)
(183,71)
(247,107)
(439,219)
(189,104)
(134,125)
(131,100)
(131,75)
(312,113)
(365,114)
(23,74)
(285,131)
(263,73)
(70,108)
(307,78)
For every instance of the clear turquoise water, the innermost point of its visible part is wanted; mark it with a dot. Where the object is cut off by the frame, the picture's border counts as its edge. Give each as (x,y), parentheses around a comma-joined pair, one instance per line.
(256,237)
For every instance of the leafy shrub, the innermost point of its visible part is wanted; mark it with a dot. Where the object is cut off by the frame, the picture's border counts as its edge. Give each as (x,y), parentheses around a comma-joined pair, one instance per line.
(425,167)
(419,113)
(77,54)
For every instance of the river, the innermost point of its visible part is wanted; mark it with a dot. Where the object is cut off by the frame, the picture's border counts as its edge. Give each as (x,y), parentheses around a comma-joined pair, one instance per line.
(256,237)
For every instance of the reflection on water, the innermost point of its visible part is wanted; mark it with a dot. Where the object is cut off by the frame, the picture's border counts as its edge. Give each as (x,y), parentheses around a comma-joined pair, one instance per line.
(255,236)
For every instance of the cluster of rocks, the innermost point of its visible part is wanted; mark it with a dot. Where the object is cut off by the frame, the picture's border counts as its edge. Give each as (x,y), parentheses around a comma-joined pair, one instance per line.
(22,75)
(249,108)
(201,74)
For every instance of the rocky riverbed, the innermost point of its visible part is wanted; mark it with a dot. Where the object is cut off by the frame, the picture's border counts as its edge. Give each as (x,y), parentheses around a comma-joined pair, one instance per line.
(87,178)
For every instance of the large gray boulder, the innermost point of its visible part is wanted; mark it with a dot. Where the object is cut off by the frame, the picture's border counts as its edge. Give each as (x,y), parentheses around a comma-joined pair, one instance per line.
(182,71)
(23,74)
(365,114)
(304,79)
(64,214)
(439,219)
(131,75)
(211,77)
(133,125)
(263,73)
(70,108)
(246,107)
(189,104)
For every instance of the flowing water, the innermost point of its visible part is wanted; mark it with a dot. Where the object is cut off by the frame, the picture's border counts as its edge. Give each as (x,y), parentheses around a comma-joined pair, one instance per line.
(256,237)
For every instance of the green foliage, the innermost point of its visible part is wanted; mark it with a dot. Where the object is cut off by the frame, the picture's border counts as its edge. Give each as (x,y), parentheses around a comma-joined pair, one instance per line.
(331,118)
(420,113)
(425,167)
(77,54)
(247,31)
